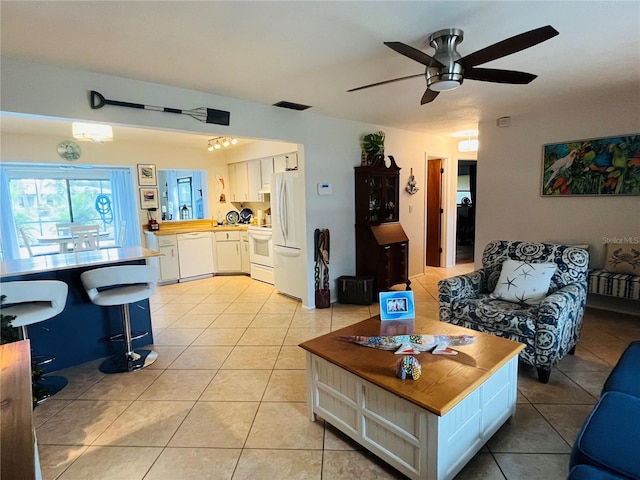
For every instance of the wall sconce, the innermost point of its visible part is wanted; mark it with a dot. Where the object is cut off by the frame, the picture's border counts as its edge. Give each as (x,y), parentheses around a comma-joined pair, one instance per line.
(218,142)
(93,132)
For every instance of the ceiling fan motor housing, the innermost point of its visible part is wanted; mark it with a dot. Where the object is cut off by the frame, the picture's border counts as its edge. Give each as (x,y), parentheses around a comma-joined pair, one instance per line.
(450,75)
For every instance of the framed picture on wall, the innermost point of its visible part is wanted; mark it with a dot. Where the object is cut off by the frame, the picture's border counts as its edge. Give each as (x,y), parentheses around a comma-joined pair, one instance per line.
(148,198)
(147,174)
(597,167)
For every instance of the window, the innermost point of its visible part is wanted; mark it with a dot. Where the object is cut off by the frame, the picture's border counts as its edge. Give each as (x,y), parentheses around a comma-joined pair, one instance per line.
(43,196)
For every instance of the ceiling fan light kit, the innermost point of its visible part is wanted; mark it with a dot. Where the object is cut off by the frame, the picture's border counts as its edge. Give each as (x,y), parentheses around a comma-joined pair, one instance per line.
(447,69)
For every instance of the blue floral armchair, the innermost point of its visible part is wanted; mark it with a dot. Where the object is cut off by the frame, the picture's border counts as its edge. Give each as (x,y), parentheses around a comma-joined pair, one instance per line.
(549,329)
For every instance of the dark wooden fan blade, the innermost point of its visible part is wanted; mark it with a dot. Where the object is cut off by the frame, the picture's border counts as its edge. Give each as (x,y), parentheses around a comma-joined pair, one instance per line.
(386,81)
(414,54)
(429,96)
(498,76)
(508,46)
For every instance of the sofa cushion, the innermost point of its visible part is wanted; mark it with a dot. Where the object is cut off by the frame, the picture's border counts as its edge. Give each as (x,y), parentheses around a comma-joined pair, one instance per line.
(587,472)
(623,258)
(610,437)
(524,282)
(625,376)
(496,315)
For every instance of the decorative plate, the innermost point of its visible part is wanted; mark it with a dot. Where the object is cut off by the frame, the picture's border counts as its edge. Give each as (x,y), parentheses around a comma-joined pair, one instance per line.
(232,217)
(245,215)
(69,150)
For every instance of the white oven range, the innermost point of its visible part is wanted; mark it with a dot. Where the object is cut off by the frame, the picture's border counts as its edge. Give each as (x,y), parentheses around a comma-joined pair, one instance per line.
(261,252)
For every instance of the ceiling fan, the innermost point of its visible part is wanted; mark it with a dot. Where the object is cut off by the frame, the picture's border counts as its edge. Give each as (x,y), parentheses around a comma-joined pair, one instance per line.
(446,69)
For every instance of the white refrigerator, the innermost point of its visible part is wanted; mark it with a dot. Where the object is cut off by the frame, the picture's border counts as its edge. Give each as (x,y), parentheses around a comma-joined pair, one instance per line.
(287,220)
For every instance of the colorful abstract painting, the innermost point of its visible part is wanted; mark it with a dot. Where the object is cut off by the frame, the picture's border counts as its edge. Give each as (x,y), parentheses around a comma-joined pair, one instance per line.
(600,166)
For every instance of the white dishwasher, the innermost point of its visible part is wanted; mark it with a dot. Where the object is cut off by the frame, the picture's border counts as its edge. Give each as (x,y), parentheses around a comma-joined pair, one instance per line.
(195,254)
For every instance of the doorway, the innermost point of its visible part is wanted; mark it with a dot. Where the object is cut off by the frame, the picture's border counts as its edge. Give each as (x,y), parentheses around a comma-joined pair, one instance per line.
(434,212)
(466,211)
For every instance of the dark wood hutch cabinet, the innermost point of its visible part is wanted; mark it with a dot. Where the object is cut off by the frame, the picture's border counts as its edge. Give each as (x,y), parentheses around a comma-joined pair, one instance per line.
(382,247)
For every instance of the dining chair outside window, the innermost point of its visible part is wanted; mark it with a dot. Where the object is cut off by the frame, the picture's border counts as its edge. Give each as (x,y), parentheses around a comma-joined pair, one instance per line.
(27,244)
(119,235)
(64,229)
(26,241)
(85,237)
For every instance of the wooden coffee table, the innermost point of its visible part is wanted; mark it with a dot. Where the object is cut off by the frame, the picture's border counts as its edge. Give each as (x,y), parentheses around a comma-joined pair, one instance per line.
(428,428)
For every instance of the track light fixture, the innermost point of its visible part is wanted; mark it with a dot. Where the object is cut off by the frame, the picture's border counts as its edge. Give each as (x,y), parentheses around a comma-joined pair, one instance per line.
(217,143)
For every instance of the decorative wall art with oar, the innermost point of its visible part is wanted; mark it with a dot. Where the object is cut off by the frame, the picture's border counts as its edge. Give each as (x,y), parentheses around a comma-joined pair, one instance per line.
(203,114)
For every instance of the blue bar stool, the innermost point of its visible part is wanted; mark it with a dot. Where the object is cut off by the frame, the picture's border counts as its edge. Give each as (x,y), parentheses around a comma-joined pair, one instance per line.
(31,302)
(122,285)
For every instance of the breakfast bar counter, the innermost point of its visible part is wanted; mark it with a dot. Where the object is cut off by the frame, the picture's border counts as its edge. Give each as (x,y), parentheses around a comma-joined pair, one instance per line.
(81,332)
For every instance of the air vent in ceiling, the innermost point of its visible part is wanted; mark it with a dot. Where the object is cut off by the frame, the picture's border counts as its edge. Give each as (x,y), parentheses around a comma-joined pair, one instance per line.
(291,105)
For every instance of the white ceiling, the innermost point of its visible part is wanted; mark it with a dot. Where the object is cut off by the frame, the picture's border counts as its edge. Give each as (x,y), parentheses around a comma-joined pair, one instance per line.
(312,52)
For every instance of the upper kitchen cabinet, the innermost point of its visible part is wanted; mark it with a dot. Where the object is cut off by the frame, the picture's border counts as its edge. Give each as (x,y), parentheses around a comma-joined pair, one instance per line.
(254,180)
(377,194)
(285,162)
(239,182)
(266,170)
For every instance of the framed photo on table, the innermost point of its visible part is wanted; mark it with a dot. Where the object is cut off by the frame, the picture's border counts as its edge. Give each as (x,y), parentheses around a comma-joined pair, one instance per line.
(397,305)
(148,198)
(147,174)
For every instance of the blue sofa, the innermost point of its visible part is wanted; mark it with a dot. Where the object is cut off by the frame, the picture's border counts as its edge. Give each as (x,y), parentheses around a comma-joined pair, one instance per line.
(608,446)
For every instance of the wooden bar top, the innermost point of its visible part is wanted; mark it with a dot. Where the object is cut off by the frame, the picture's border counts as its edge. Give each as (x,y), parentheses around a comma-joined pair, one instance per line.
(189,226)
(445,379)
(68,261)
(16,412)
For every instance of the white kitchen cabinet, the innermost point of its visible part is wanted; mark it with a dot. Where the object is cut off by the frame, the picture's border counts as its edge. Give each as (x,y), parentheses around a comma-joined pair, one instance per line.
(195,254)
(238,182)
(244,253)
(266,170)
(228,257)
(254,180)
(168,266)
(285,162)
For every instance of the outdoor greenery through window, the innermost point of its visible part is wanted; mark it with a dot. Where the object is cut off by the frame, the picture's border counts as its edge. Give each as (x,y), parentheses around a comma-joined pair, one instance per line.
(40,204)
(46,198)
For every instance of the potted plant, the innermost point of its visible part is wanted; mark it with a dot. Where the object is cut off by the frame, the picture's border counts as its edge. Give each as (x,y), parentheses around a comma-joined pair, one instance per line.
(373,148)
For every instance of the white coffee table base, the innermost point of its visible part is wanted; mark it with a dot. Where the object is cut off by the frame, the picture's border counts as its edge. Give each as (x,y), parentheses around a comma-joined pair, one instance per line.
(415,441)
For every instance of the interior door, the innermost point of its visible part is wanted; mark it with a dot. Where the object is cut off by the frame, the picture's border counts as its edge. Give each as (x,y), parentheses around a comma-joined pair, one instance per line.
(434,211)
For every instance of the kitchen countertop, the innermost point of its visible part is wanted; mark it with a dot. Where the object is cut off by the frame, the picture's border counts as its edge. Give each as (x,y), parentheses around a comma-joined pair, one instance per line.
(171,228)
(69,261)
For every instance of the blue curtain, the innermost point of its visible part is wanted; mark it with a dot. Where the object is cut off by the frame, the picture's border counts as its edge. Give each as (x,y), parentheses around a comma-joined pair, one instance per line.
(8,236)
(125,205)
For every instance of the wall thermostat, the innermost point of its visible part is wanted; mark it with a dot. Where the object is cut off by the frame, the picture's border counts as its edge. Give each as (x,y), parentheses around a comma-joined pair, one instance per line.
(325,189)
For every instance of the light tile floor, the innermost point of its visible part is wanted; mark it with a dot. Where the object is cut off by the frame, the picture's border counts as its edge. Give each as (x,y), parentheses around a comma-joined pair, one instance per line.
(226,398)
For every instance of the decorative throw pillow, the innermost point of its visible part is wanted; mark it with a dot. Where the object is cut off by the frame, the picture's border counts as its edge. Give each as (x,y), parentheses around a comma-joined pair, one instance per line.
(623,258)
(524,282)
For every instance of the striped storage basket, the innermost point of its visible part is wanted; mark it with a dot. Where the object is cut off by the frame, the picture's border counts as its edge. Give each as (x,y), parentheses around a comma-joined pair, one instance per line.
(614,284)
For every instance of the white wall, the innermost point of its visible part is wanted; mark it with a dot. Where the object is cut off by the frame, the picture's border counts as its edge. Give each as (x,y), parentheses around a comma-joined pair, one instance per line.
(330,146)
(509,173)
